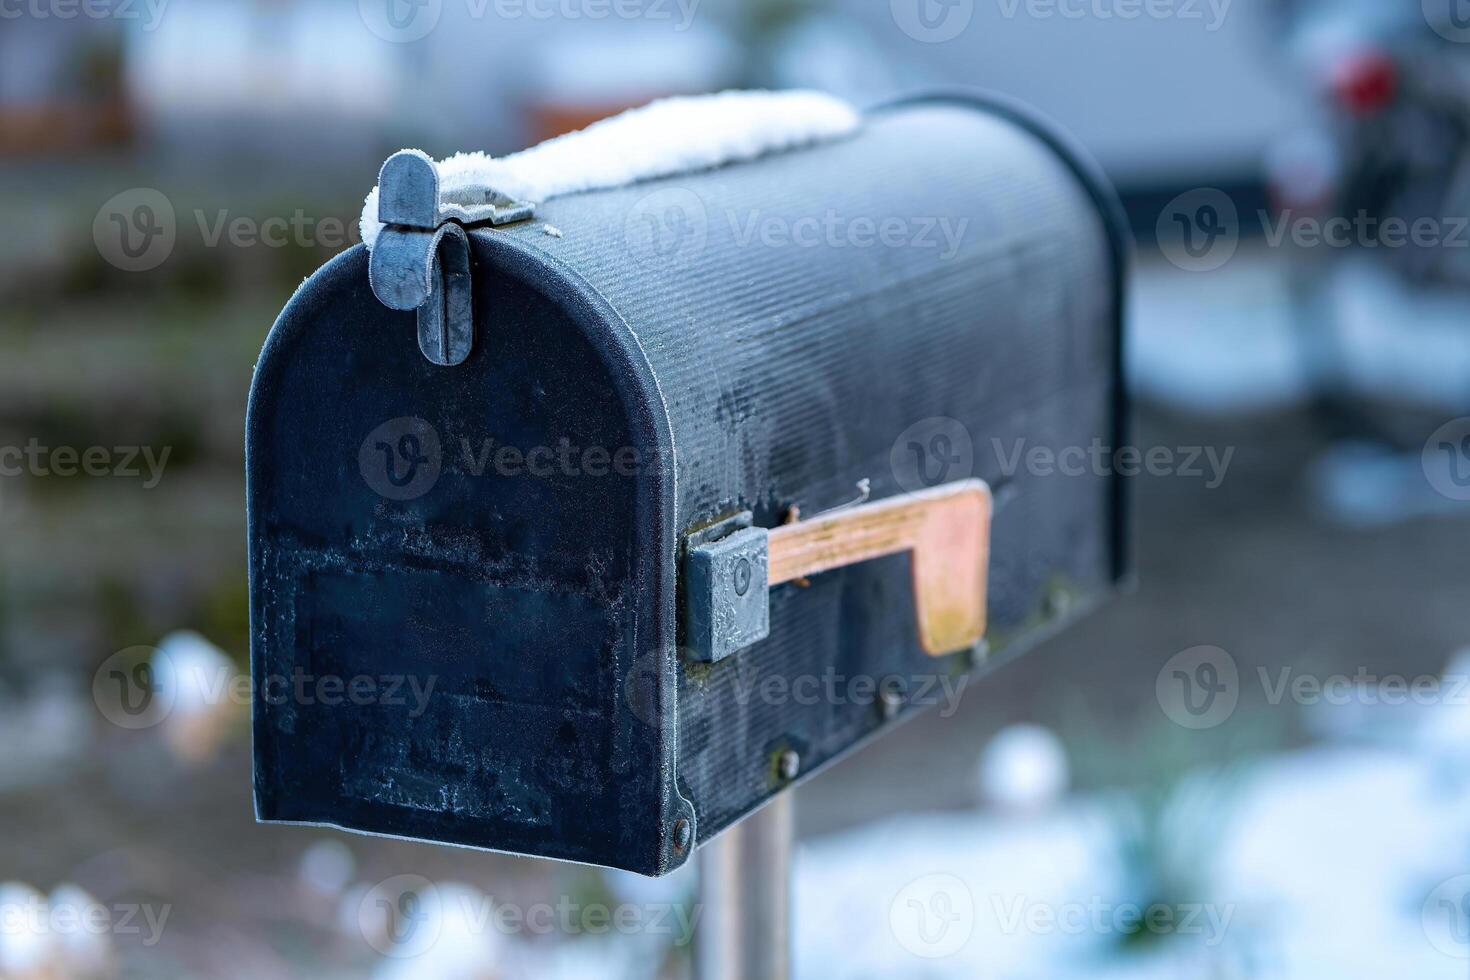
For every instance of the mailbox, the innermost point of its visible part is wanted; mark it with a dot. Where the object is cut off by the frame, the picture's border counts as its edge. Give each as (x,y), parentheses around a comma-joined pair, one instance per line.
(581,528)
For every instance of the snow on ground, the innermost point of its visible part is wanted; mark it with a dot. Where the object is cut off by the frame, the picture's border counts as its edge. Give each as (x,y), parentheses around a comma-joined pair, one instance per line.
(1338,862)
(1221,342)
(1232,340)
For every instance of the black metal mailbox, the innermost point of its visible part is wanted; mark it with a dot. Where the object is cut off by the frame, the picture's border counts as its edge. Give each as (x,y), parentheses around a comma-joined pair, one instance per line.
(555,509)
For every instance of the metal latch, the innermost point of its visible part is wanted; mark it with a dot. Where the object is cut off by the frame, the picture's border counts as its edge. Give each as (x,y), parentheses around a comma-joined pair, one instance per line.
(730,568)
(421,260)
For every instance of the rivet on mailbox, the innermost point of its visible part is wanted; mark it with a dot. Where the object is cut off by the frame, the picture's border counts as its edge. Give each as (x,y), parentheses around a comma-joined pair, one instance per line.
(528,462)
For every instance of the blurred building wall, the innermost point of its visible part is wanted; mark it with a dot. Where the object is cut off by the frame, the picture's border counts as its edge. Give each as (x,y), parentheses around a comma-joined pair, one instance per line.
(1165,99)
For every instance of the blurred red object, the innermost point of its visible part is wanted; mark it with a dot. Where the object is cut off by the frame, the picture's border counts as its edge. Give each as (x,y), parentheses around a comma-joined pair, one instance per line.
(550,119)
(1364,81)
(61,127)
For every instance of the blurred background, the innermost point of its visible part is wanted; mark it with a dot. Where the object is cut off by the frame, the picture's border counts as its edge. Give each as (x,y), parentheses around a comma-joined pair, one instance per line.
(1298,180)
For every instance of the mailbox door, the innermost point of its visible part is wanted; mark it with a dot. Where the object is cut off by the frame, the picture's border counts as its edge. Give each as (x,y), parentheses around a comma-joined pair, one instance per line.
(462,576)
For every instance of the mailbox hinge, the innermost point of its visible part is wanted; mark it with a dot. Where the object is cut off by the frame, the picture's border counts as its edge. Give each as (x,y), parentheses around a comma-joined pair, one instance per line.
(421,260)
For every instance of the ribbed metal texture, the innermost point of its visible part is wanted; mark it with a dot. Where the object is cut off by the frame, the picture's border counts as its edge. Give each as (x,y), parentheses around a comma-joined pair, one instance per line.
(924,302)
(793,348)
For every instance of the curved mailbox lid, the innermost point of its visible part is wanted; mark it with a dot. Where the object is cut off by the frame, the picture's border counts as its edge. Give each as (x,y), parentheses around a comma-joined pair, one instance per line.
(787,339)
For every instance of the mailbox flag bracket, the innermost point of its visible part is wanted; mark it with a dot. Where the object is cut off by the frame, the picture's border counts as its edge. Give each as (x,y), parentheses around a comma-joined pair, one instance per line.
(421,260)
(730,568)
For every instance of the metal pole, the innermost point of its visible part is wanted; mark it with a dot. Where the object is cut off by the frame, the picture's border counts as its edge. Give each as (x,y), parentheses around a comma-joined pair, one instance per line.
(745,887)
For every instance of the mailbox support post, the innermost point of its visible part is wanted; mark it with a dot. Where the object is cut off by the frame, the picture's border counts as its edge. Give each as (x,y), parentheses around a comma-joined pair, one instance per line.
(745,888)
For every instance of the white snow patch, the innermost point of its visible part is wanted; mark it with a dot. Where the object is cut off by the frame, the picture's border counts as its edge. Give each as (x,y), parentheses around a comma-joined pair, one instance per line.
(666,137)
